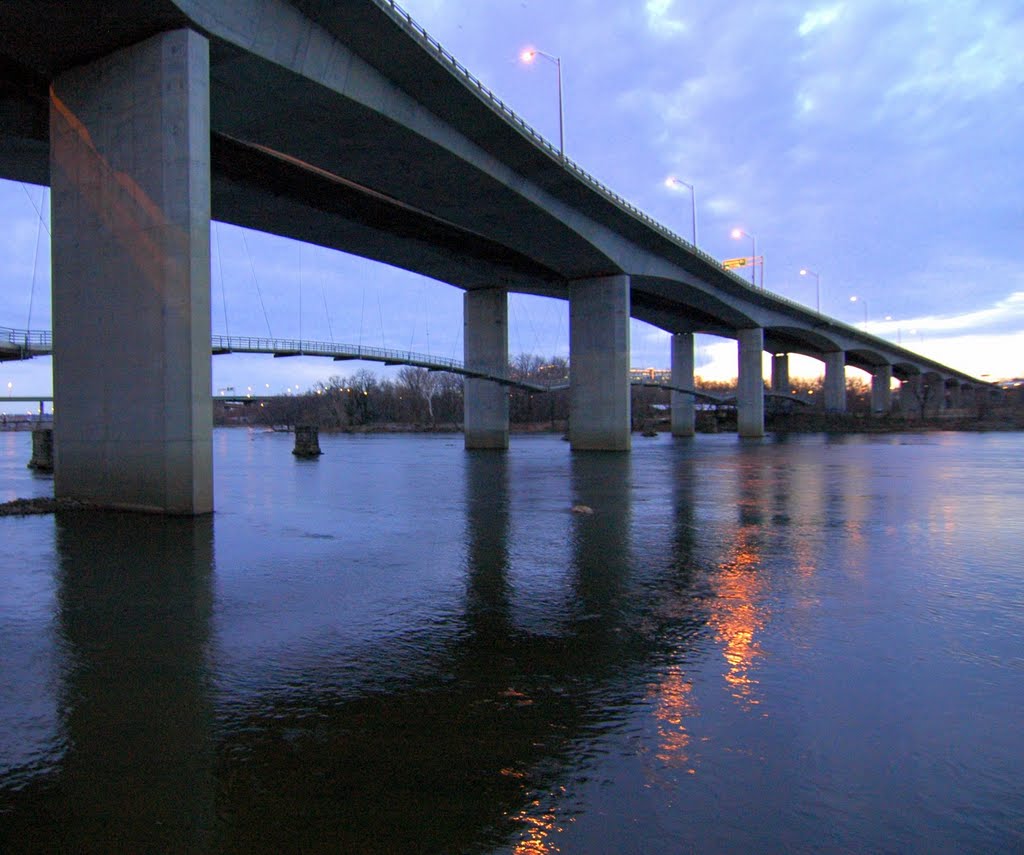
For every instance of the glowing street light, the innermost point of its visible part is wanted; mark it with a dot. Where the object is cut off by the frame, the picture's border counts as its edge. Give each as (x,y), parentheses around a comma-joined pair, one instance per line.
(736,235)
(817,287)
(864,303)
(673,182)
(899,332)
(528,56)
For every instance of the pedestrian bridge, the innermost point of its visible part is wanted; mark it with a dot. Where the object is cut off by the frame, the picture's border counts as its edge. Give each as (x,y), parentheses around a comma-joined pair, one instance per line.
(25,344)
(345,125)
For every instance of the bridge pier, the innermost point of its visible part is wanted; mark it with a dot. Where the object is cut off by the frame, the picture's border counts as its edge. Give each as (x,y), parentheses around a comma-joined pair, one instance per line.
(130,176)
(750,387)
(599,358)
(934,394)
(485,349)
(835,382)
(881,390)
(684,410)
(911,390)
(955,396)
(968,397)
(780,374)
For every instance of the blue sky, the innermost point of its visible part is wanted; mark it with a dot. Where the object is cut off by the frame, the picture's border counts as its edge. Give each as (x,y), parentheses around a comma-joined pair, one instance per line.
(875,142)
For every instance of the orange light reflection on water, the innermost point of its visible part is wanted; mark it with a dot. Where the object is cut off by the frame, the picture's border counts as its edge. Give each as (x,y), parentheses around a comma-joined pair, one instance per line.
(675,704)
(738,615)
(539,824)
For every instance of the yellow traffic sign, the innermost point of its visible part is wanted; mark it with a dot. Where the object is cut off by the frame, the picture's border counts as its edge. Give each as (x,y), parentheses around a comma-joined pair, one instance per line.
(730,263)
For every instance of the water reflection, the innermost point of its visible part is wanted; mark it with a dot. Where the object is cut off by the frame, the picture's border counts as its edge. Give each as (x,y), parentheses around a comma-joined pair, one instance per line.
(133,617)
(487,532)
(464,664)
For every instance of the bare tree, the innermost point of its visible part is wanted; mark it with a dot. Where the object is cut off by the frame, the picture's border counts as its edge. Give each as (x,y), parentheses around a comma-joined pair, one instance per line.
(421,385)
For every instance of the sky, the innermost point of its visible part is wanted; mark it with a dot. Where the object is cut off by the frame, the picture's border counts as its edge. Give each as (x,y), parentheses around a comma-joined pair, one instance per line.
(876,143)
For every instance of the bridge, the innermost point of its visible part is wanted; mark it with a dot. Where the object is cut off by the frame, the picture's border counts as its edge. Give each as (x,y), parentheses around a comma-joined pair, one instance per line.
(25,344)
(345,125)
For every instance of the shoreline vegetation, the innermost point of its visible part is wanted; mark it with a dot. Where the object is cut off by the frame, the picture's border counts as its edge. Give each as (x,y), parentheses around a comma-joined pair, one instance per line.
(417,399)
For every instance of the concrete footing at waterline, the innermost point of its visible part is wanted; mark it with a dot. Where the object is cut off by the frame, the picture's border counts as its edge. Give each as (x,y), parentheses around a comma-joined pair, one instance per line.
(307,441)
(42,450)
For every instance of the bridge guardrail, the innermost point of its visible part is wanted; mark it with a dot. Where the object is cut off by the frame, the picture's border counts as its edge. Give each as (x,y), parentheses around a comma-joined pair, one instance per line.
(324,348)
(26,341)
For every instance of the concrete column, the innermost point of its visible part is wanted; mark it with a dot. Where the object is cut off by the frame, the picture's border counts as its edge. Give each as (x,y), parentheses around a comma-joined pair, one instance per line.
(911,391)
(935,394)
(881,390)
(835,382)
(42,450)
(780,374)
(955,397)
(750,390)
(130,176)
(684,411)
(485,349)
(307,442)
(599,364)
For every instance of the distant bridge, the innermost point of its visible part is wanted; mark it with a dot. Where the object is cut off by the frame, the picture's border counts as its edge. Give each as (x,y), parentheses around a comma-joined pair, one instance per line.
(25,344)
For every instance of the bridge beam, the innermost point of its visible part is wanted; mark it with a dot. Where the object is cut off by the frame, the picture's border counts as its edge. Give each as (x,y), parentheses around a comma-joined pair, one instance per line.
(881,390)
(130,173)
(750,386)
(684,410)
(835,382)
(599,414)
(780,374)
(485,349)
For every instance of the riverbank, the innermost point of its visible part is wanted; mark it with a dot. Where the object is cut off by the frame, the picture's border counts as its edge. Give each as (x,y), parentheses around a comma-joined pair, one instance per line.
(41,505)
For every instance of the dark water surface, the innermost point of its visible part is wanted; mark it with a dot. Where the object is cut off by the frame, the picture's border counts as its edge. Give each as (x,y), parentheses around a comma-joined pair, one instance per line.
(812,644)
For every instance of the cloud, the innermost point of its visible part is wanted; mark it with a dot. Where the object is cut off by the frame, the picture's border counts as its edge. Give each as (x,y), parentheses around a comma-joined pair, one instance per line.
(816,19)
(660,20)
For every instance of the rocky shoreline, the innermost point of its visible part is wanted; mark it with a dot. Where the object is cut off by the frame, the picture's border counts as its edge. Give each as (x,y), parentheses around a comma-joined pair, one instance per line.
(41,505)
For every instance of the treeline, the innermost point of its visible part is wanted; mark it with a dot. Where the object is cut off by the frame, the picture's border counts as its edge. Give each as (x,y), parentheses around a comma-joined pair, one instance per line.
(426,399)
(416,397)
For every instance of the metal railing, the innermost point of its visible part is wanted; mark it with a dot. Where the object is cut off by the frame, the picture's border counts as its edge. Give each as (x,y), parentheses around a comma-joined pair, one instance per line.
(301,347)
(26,342)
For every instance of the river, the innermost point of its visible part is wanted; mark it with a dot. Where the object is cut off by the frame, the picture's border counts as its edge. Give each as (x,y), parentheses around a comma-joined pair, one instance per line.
(800,644)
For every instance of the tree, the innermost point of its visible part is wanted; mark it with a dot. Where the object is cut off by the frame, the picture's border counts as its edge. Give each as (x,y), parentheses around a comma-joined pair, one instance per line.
(421,386)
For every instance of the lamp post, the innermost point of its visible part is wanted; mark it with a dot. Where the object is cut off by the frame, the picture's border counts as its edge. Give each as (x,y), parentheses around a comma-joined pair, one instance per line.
(817,287)
(864,303)
(529,55)
(737,234)
(674,182)
(899,332)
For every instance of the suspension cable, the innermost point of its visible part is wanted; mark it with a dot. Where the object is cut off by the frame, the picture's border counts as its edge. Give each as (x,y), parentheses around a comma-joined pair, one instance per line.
(256,281)
(220,265)
(35,269)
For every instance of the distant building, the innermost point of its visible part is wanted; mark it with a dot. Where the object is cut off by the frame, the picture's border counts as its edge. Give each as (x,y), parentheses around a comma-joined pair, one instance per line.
(650,375)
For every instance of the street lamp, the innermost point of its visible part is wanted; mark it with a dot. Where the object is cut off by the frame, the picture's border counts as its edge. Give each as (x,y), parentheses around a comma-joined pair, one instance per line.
(673,182)
(737,234)
(529,55)
(864,303)
(817,286)
(899,332)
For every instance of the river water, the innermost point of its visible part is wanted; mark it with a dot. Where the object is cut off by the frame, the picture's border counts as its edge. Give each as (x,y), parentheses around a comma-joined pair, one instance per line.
(799,644)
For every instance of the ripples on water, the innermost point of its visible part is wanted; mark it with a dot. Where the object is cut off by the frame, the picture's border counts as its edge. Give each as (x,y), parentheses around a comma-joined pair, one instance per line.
(809,644)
